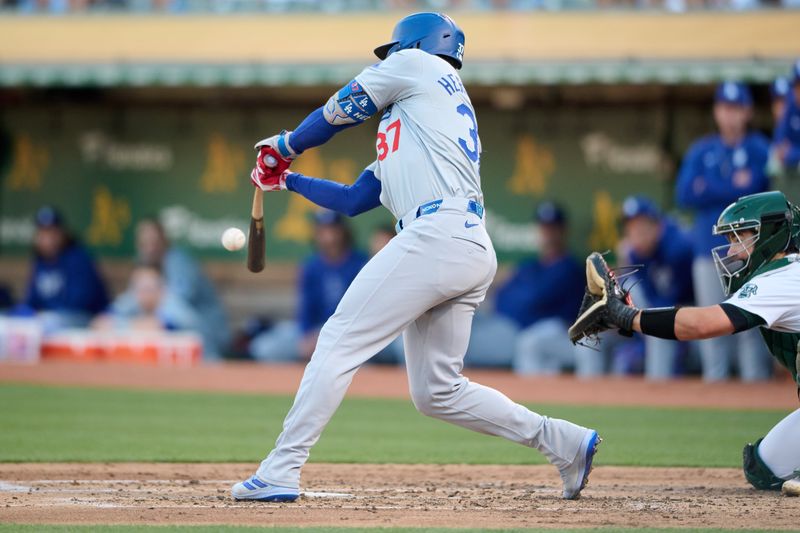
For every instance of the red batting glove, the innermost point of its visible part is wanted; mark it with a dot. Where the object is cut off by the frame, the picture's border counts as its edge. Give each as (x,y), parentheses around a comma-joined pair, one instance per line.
(269,182)
(270,171)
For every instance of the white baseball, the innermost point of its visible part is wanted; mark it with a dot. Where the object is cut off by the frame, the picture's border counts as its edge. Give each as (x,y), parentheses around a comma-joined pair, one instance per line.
(233,239)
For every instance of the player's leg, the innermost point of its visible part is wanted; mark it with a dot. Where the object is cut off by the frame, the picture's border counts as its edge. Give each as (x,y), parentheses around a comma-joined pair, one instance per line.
(660,358)
(543,348)
(779,450)
(715,354)
(435,345)
(420,268)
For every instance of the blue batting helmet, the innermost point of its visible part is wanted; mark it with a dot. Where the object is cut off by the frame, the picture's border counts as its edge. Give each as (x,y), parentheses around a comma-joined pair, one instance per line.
(434,33)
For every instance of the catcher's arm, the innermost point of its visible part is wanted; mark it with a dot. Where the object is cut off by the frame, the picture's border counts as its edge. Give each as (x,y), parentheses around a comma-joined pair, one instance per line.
(606,305)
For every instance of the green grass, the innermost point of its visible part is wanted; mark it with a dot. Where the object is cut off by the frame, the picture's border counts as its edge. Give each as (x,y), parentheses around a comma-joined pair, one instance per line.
(243,529)
(72,424)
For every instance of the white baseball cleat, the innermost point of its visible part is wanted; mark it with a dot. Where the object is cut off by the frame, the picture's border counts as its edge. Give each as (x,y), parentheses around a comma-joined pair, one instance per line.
(255,489)
(576,475)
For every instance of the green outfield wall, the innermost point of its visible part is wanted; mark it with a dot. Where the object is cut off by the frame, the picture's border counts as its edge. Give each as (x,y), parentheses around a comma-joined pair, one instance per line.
(109,163)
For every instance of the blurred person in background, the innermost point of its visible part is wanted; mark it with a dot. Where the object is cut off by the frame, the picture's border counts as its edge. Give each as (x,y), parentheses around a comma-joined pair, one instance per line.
(541,299)
(786,139)
(148,305)
(324,278)
(393,354)
(185,278)
(778,90)
(665,254)
(380,237)
(716,170)
(65,287)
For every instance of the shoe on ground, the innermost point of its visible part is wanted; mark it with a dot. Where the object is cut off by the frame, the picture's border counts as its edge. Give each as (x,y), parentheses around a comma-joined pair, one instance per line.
(791,487)
(256,489)
(576,475)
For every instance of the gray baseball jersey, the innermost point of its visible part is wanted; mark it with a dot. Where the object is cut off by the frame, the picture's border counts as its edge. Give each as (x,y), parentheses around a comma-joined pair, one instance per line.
(427,145)
(425,283)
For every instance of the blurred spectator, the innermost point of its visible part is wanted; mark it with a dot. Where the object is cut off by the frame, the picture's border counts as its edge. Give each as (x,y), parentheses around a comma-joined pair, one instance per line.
(394,353)
(148,305)
(540,299)
(185,278)
(787,130)
(779,90)
(664,280)
(324,278)
(380,237)
(6,298)
(65,288)
(716,170)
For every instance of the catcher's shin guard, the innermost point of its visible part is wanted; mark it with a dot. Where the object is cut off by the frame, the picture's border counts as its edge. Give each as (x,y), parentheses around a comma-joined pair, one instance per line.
(756,472)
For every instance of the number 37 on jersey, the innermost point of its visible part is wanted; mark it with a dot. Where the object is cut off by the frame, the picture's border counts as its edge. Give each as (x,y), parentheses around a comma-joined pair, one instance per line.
(389,141)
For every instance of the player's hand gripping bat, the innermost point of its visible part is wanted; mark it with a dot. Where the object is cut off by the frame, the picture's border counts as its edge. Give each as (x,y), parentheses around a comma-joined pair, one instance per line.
(269,169)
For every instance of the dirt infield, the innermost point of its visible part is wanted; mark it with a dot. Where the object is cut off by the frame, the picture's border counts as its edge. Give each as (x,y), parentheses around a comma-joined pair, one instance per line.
(391,382)
(396,495)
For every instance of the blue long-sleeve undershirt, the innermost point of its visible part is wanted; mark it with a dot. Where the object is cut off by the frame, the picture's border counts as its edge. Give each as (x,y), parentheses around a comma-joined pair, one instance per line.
(315,131)
(350,200)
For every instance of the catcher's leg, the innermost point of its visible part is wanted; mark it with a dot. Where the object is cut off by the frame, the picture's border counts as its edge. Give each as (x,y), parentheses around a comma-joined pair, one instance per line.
(779,450)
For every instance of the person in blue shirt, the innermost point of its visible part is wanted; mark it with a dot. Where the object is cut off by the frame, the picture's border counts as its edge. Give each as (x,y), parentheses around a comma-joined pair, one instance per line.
(778,91)
(184,277)
(147,305)
(65,287)
(787,131)
(542,297)
(324,278)
(664,279)
(716,170)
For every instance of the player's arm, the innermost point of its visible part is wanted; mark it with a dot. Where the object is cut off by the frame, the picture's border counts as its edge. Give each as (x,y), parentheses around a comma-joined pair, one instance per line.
(349,106)
(693,323)
(350,200)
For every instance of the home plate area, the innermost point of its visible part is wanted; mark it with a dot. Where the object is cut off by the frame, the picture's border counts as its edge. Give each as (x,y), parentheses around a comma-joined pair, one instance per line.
(389,495)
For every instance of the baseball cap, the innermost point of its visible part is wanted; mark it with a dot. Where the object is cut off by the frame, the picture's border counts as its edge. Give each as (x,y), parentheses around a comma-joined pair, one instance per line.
(796,72)
(779,88)
(48,216)
(327,217)
(638,206)
(549,212)
(733,92)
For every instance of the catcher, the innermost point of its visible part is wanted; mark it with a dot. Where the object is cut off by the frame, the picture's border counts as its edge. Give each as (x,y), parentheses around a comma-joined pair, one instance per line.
(760,272)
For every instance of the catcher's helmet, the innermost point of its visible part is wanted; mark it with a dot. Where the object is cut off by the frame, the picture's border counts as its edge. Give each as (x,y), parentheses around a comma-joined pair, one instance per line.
(434,33)
(775,224)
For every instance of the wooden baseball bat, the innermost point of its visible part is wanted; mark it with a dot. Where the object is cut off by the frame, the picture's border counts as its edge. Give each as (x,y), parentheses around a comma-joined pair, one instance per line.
(256,240)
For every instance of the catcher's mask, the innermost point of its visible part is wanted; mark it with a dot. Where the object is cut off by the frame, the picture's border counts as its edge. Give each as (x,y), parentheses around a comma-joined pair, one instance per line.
(434,33)
(757,227)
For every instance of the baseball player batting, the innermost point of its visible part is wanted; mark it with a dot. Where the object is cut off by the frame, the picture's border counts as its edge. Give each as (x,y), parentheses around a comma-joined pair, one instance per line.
(430,278)
(760,271)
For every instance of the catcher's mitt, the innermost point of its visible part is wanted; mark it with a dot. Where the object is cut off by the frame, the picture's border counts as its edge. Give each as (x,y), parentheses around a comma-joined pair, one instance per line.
(605,305)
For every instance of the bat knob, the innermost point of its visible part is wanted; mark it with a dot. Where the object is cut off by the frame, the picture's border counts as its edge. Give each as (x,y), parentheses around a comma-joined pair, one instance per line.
(270,161)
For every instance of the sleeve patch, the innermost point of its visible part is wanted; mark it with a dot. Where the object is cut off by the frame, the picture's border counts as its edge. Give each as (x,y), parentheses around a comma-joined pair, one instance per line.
(350,105)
